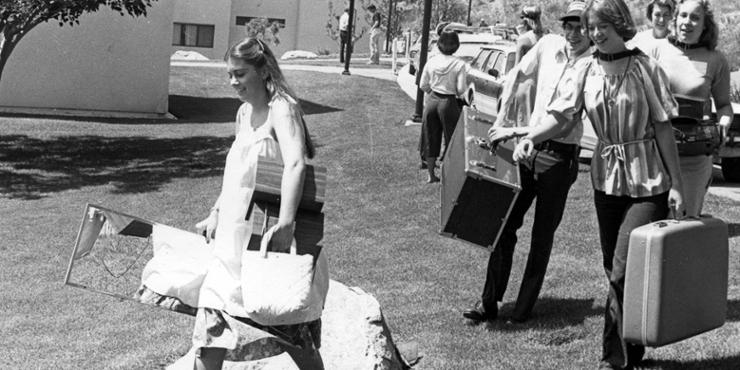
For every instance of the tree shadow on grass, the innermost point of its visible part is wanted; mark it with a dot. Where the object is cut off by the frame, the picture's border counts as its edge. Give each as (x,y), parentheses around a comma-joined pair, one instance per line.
(732,362)
(733,230)
(31,167)
(203,109)
(549,313)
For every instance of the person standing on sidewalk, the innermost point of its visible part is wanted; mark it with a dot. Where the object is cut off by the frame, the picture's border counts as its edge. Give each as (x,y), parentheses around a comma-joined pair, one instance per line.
(343,34)
(375,32)
(548,178)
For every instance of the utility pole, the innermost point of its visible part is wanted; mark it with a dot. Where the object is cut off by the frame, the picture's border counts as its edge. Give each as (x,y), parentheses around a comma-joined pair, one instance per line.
(350,37)
(422,59)
(470,3)
(391,5)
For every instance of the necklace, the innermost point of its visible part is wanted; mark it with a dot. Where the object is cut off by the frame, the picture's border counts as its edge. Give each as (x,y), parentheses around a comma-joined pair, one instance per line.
(616,56)
(685,46)
(610,94)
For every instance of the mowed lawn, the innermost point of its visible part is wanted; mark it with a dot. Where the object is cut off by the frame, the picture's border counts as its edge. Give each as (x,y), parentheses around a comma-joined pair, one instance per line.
(381,231)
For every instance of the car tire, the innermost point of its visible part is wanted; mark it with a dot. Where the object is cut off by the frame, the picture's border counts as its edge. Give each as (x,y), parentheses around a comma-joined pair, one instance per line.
(731,169)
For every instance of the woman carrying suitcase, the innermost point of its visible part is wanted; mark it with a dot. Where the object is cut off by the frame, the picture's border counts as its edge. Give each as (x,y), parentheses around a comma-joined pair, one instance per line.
(634,170)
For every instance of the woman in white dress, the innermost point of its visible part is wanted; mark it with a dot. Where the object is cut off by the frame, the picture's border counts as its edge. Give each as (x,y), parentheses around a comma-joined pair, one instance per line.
(269,123)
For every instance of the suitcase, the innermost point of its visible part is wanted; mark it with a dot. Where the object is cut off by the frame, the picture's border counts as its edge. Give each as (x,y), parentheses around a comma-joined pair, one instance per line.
(269,178)
(309,226)
(479,186)
(676,280)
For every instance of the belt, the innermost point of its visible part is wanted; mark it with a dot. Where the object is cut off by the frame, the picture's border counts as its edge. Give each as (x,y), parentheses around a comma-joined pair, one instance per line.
(560,148)
(443,96)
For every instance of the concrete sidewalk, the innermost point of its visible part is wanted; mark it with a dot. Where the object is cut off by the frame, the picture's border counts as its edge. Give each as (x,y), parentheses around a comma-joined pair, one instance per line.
(380,73)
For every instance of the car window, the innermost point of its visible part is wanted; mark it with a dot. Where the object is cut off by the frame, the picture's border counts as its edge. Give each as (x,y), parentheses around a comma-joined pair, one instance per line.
(493,60)
(500,64)
(510,59)
(480,60)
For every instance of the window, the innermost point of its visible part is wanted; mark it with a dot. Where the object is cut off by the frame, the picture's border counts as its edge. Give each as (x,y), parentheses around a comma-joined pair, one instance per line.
(241,21)
(480,60)
(198,35)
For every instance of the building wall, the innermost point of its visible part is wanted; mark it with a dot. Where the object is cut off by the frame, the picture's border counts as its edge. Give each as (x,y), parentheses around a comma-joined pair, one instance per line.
(107,63)
(208,12)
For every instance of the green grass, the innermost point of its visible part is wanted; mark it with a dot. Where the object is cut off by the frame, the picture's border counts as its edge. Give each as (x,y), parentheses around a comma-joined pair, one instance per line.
(381,233)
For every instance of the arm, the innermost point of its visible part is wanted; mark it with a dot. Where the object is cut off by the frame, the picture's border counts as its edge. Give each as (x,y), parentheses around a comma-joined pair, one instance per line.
(668,152)
(721,94)
(290,136)
(424,82)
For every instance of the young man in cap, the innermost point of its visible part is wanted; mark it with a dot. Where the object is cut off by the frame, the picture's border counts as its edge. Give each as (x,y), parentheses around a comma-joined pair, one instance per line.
(549,65)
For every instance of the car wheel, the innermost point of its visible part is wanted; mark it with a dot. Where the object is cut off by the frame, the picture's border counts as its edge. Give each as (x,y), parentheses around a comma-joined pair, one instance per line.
(731,169)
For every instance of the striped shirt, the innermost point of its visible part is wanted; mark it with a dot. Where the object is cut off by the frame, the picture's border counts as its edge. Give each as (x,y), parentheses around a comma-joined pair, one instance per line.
(626,160)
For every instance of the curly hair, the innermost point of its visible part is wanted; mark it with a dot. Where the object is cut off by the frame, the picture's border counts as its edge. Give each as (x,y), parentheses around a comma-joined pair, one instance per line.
(710,34)
(614,12)
(670,4)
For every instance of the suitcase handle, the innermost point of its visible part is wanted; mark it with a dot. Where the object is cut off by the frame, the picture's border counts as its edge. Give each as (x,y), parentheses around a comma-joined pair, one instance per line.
(482,165)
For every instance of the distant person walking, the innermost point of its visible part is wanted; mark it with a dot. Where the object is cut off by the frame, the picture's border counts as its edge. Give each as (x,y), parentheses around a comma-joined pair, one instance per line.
(375,33)
(343,34)
(443,81)
(548,178)
(533,30)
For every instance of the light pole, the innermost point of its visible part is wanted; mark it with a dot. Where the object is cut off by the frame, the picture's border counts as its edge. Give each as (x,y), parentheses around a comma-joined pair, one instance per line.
(391,5)
(350,37)
(422,59)
(470,3)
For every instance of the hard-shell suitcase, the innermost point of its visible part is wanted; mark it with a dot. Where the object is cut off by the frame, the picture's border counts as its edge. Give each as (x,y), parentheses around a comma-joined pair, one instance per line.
(479,186)
(676,280)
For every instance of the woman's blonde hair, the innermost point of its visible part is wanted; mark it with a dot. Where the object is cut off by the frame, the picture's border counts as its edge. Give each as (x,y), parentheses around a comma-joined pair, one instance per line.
(255,52)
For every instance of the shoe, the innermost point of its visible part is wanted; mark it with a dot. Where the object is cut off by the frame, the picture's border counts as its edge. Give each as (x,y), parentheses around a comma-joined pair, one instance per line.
(478,313)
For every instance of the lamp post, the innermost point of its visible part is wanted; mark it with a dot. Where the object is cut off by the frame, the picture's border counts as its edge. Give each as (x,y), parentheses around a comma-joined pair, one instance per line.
(391,5)
(350,36)
(470,3)
(422,59)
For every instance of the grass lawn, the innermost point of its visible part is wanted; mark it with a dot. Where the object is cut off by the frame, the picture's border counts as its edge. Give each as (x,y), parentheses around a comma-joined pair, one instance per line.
(381,233)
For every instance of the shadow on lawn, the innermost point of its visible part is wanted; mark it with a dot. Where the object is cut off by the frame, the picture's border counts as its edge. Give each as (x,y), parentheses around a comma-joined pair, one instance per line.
(733,230)
(552,313)
(715,363)
(203,109)
(32,167)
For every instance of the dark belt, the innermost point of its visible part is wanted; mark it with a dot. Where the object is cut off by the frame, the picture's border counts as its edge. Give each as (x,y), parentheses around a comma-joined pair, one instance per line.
(560,148)
(443,96)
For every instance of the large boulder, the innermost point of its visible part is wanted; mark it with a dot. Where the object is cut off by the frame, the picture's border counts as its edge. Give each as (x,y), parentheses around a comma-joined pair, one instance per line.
(354,336)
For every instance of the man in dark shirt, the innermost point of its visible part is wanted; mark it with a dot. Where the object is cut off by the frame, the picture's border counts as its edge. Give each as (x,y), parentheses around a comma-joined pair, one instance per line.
(375,33)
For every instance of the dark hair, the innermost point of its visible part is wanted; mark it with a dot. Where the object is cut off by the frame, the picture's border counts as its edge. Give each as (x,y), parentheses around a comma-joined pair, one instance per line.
(531,16)
(710,34)
(256,53)
(371,7)
(448,42)
(614,12)
(670,4)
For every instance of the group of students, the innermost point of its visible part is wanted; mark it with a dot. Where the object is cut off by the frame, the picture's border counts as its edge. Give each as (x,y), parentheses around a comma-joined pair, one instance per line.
(627,85)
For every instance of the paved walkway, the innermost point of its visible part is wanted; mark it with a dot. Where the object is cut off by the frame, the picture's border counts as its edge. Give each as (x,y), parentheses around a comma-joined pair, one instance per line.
(719,186)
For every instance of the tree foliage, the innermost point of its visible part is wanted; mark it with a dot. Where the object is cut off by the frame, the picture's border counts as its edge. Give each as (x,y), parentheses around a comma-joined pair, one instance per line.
(18,17)
(263,29)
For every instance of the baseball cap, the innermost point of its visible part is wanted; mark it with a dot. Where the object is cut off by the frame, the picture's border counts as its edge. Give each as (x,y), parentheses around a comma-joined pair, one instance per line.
(575,9)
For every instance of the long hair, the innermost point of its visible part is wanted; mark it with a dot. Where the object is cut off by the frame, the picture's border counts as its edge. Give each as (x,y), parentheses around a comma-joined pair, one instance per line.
(670,4)
(256,53)
(710,34)
(614,12)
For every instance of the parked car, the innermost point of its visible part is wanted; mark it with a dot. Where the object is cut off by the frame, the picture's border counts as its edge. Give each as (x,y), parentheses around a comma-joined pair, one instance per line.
(728,154)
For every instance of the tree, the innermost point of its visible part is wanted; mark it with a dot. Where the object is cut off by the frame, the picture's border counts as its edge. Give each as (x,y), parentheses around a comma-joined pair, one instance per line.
(332,25)
(18,17)
(263,29)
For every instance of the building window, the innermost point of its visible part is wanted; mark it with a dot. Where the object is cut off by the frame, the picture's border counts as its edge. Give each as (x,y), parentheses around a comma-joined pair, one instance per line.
(198,35)
(242,21)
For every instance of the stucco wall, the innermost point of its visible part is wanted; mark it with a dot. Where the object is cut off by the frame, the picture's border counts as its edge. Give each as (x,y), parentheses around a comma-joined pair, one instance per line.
(209,12)
(108,62)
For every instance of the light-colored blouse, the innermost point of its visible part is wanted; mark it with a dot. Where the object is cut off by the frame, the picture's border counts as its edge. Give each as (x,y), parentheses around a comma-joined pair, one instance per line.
(622,109)
(697,73)
(444,74)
